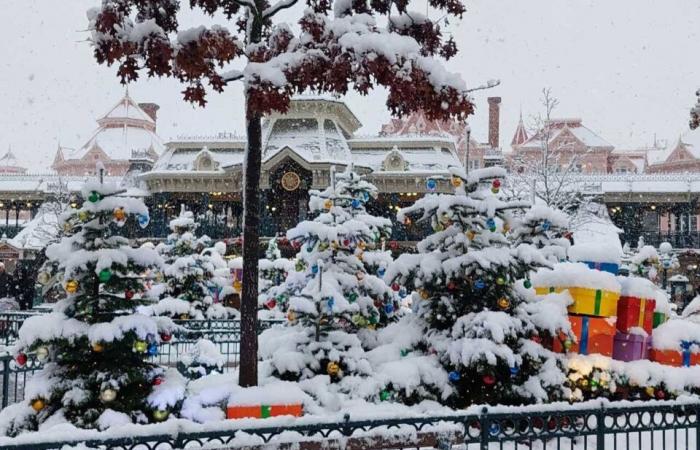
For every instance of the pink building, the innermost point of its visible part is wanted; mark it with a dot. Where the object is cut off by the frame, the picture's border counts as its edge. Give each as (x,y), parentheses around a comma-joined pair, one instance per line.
(9,164)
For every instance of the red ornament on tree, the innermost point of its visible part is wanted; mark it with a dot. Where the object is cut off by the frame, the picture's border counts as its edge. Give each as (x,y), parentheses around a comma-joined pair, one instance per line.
(393,245)
(451,286)
(128,294)
(346,242)
(536,338)
(489,379)
(21,359)
(157,381)
(296,245)
(165,337)
(660,394)
(395,287)
(496,183)
(271,303)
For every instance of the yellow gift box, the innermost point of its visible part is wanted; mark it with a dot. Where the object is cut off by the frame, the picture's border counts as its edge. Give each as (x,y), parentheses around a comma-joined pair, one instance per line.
(593,302)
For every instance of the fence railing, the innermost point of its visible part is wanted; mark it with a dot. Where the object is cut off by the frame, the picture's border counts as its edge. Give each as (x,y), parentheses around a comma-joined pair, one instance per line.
(225,334)
(659,425)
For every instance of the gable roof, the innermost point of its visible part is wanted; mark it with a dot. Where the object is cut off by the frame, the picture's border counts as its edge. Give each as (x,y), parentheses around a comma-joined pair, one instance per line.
(575,127)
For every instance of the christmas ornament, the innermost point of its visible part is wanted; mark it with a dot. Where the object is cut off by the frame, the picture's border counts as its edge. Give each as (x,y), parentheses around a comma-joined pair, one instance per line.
(356,203)
(431,184)
(479,284)
(514,371)
(454,376)
(84,216)
(43,277)
(500,281)
(650,391)
(471,235)
(346,242)
(38,404)
(359,320)
(299,266)
(506,227)
(352,297)
(403,292)
(152,349)
(160,415)
(67,227)
(184,316)
(94,197)
(488,379)
(360,276)
(105,275)
(393,245)
(494,429)
(328,204)
(384,395)
(373,319)
(322,246)
(291,316)
(119,214)
(490,222)
(314,269)
(389,308)
(361,245)
(42,354)
(496,183)
(330,302)
(97,347)
(143,220)
(21,359)
(660,394)
(128,294)
(545,225)
(166,337)
(108,395)
(395,286)
(424,294)
(332,368)
(451,286)
(527,284)
(407,220)
(456,181)
(157,381)
(381,271)
(404,352)
(567,344)
(271,303)
(140,346)
(237,285)
(72,286)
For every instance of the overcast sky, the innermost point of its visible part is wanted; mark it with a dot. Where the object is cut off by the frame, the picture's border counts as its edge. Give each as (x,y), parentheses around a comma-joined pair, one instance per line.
(627,67)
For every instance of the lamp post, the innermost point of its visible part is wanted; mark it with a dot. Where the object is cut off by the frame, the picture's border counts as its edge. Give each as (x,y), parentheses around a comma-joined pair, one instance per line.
(468,130)
(666,260)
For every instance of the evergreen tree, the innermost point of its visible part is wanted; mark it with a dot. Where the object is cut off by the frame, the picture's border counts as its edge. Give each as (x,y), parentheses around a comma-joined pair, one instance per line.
(189,274)
(544,228)
(475,312)
(202,359)
(332,296)
(94,345)
(273,272)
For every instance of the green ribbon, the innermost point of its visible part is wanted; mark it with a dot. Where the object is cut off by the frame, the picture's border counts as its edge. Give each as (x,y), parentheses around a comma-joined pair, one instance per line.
(265,411)
(551,289)
(598,299)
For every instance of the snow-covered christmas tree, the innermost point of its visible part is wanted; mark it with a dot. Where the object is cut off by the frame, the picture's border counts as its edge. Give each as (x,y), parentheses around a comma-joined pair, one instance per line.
(476,314)
(273,272)
(331,296)
(545,228)
(192,287)
(94,345)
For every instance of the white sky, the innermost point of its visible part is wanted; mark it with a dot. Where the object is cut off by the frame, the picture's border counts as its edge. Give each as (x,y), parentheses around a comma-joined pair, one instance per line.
(627,67)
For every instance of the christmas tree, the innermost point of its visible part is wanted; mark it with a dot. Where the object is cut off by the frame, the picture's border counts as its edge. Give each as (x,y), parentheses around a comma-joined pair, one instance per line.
(273,272)
(476,313)
(202,359)
(544,228)
(192,287)
(331,295)
(94,345)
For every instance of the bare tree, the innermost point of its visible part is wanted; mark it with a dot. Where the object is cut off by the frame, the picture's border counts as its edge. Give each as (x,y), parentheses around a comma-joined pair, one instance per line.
(549,174)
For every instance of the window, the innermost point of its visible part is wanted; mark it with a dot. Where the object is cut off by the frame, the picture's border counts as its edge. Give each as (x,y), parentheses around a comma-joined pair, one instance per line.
(474,164)
(293,127)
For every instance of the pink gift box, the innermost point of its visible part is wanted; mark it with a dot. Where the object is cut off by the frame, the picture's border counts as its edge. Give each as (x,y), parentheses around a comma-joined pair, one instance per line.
(631,347)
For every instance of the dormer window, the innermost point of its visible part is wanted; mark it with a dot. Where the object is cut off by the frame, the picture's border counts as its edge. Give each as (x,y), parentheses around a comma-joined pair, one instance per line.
(394,161)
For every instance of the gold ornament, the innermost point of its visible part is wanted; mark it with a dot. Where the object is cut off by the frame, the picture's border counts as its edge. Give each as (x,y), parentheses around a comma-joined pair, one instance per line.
(328,204)
(237,285)
(108,395)
(503,303)
(84,216)
(119,214)
(291,316)
(160,415)
(649,391)
(44,277)
(456,181)
(424,294)
(360,256)
(471,235)
(184,316)
(332,368)
(361,245)
(97,347)
(38,404)
(140,346)
(42,354)
(72,286)
(360,276)
(506,227)
(67,227)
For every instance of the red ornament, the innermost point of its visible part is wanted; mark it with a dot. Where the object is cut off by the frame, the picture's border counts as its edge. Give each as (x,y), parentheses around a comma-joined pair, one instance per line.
(157,381)
(21,359)
(660,394)
(271,303)
(346,242)
(451,286)
(128,294)
(165,337)
(536,338)
(296,245)
(496,183)
(489,379)
(393,245)
(395,287)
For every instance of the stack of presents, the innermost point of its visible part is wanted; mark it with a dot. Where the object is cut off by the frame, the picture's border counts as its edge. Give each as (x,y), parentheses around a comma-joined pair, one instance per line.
(612,315)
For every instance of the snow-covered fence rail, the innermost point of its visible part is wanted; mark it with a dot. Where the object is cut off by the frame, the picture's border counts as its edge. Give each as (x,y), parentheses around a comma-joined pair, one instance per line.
(592,426)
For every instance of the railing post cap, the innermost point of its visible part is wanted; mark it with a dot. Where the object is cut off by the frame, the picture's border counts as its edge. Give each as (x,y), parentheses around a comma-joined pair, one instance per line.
(484,410)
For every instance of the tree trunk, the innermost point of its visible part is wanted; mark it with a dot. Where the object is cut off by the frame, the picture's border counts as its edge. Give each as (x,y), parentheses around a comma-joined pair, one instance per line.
(248,372)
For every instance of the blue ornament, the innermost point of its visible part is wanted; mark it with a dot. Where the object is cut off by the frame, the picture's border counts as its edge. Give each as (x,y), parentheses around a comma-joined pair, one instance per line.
(490,222)
(431,184)
(152,349)
(143,220)
(365,195)
(314,269)
(403,293)
(356,203)
(514,371)
(479,284)
(381,271)
(454,376)
(388,308)
(331,302)
(545,225)
(494,429)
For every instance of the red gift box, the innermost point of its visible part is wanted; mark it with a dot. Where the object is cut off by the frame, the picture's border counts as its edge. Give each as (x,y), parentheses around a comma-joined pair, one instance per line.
(635,312)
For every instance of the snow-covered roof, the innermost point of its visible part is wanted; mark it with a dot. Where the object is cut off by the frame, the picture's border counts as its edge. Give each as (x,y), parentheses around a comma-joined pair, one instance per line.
(126,108)
(46,183)
(191,156)
(573,126)
(415,155)
(9,163)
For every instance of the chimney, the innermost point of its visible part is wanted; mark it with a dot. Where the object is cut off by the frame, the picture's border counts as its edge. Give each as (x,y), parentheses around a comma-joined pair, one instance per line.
(494,121)
(151,109)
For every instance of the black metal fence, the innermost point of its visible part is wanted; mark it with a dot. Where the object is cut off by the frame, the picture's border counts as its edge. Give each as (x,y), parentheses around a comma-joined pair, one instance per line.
(662,426)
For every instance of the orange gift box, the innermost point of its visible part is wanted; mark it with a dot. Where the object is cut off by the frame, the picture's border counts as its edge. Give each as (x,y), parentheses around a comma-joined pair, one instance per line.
(263,411)
(593,335)
(674,357)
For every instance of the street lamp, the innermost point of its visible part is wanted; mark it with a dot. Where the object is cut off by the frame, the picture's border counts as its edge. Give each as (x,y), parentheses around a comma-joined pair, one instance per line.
(665,249)
(468,129)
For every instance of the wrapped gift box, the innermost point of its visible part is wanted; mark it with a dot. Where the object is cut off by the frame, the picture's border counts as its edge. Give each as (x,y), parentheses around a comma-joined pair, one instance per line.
(688,356)
(631,347)
(263,411)
(635,312)
(603,266)
(594,302)
(593,335)
(658,319)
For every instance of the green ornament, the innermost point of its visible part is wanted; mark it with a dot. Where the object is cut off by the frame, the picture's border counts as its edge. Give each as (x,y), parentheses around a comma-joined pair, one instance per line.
(299,266)
(404,352)
(373,319)
(323,246)
(105,275)
(359,320)
(568,344)
(500,281)
(492,229)
(94,197)
(527,284)
(384,395)
(352,297)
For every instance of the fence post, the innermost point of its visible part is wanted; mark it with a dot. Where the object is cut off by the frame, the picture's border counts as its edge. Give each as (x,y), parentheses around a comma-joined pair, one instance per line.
(5,381)
(600,428)
(485,429)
